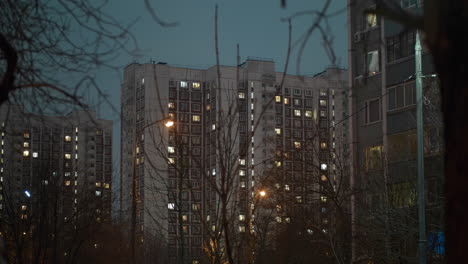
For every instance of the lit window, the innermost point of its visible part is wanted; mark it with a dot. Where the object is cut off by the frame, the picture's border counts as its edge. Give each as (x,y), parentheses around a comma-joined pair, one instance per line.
(26,144)
(241,228)
(278,131)
(67,183)
(196,85)
(242,172)
(26,153)
(68,138)
(24,207)
(171,160)
(183,84)
(297,144)
(208,107)
(286,101)
(170,149)
(196,207)
(297,112)
(76,129)
(323,145)
(213,127)
(213,172)
(184,218)
(299,199)
(67,156)
(310,231)
(76,155)
(195,118)
(323,166)
(323,93)
(287,188)
(242,184)
(323,178)
(241,95)
(308,113)
(323,102)
(171,206)
(241,217)
(107,186)
(323,198)
(278,99)
(373,66)
(242,161)
(278,163)
(35,155)
(26,135)
(371,20)
(171,105)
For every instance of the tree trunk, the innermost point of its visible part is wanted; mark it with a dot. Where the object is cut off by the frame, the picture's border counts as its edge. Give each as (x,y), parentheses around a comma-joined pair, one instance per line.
(449,49)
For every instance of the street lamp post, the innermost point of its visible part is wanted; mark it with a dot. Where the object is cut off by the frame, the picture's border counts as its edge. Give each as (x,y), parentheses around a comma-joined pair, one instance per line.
(261,194)
(135,193)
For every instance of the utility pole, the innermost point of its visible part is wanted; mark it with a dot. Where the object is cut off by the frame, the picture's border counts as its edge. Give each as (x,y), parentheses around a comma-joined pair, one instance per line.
(420,142)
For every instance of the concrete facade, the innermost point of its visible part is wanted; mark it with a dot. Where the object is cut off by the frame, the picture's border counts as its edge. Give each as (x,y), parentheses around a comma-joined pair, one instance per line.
(383,137)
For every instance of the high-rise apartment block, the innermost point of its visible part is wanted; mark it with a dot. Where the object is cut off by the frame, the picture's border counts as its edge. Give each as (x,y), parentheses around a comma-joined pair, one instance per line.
(55,178)
(232,127)
(383,146)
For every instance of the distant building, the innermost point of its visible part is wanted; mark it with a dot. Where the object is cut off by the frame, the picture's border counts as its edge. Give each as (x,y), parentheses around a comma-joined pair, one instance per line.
(55,178)
(294,128)
(383,138)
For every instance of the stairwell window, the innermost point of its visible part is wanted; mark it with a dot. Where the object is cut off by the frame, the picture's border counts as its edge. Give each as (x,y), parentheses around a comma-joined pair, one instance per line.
(373,66)
(372,112)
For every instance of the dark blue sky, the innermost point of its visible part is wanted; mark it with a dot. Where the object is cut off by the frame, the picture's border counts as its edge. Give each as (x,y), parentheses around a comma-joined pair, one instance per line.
(254,24)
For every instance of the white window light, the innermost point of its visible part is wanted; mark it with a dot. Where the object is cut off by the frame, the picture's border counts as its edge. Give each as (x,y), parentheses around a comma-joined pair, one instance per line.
(242,161)
(171,160)
(373,66)
(26,153)
(242,172)
(68,138)
(67,156)
(171,206)
(183,84)
(278,131)
(170,149)
(323,166)
(241,95)
(241,217)
(142,80)
(35,154)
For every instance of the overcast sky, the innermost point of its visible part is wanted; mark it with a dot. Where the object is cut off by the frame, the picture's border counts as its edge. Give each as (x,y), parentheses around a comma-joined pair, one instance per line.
(254,24)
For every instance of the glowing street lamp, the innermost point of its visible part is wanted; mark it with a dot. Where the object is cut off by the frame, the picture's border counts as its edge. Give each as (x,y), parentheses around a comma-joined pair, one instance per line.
(169,123)
(262,193)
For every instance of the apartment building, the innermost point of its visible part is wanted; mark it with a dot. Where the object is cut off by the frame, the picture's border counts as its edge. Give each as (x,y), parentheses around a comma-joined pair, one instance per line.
(232,127)
(383,139)
(56,177)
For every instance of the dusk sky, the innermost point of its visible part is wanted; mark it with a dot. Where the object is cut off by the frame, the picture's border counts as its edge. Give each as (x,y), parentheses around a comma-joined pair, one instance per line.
(254,24)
